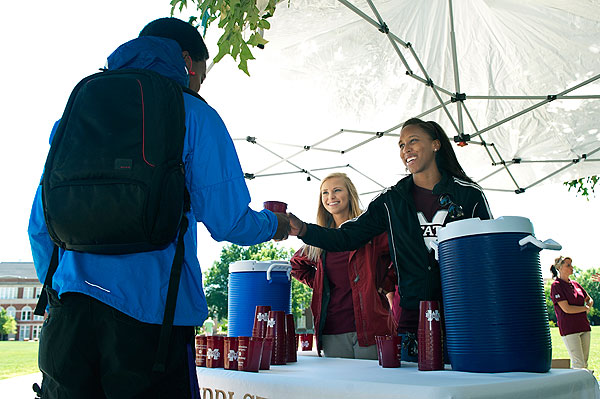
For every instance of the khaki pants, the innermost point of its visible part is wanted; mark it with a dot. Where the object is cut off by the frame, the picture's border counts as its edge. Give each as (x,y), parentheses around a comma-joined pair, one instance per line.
(346,345)
(578,346)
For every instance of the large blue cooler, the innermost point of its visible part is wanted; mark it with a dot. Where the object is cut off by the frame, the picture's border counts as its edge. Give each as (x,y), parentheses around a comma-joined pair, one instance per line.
(495,310)
(253,283)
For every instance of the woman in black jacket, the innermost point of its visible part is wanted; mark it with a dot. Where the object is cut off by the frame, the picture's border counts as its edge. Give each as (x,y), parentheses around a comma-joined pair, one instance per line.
(436,192)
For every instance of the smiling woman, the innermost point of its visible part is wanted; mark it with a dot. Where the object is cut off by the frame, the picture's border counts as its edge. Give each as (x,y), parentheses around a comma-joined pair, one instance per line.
(348,304)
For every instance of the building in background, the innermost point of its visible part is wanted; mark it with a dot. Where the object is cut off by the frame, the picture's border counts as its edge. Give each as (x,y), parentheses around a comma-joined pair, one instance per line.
(19,292)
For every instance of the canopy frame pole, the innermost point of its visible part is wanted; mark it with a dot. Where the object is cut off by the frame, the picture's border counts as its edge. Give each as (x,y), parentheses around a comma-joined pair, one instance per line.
(558,97)
(459,102)
(547,100)
(283,160)
(365,176)
(398,126)
(383,28)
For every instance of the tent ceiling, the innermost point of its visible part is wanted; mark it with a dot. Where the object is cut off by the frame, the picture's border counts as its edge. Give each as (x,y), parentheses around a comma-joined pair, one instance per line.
(345,75)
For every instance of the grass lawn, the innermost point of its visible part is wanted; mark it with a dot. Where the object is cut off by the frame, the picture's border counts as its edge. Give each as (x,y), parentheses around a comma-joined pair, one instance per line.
(18,358)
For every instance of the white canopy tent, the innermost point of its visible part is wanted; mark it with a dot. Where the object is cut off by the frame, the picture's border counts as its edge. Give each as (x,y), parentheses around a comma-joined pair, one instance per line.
(517,82)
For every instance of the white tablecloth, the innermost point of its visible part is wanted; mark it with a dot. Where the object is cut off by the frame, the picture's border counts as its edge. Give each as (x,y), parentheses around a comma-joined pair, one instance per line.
(314,377)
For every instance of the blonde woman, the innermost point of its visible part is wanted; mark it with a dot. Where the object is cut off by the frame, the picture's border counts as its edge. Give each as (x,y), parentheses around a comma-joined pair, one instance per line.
(571,305)
(349,303)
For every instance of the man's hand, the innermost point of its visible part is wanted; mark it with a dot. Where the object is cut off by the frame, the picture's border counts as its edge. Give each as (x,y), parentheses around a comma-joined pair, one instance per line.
(283,227)
(297,226)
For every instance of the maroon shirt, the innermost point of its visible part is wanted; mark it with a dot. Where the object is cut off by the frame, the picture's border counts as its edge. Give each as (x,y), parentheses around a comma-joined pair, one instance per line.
(574,294)
(340,311)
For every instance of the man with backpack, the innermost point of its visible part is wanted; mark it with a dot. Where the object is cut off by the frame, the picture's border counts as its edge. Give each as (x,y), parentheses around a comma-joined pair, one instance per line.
(109,224)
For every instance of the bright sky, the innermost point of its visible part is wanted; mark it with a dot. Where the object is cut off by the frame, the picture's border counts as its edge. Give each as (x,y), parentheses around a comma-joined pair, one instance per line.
(47,47)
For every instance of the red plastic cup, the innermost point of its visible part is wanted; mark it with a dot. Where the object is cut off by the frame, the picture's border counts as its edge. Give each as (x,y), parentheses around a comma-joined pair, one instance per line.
(230,353)
(429,335)
(388,347)
(275,206)
(214,351)
(249,353)
(261,316)
(306,341)
(276,330)
(290,336)
(267,350)
(200,350)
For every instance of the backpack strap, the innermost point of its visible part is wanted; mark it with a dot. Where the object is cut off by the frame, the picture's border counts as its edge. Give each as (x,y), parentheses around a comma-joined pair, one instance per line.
(40,308)
(171,301)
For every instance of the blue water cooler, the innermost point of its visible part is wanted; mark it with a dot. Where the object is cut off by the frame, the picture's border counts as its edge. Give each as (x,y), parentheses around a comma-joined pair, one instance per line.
(253,283)
(494,305)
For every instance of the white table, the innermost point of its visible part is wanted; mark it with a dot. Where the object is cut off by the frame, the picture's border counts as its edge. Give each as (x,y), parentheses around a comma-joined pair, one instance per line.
(314,377)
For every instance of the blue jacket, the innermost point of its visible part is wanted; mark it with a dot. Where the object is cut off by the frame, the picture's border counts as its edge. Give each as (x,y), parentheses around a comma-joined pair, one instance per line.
(136,284)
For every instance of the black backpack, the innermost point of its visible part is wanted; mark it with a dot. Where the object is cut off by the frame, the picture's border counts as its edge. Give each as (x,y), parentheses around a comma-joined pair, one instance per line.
(114,180)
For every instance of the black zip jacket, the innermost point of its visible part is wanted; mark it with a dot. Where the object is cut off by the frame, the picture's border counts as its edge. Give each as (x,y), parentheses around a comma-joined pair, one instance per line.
(394,212)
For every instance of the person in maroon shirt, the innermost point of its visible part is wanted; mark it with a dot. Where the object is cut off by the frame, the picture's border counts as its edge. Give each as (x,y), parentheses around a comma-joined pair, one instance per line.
(349,302)
(571,305)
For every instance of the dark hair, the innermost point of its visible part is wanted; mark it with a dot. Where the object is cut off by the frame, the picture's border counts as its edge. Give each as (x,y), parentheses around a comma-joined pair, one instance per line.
(186,35)
(445,158)
(554,271)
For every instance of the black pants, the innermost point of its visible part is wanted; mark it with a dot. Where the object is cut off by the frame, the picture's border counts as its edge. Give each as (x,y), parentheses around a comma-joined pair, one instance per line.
(90,350)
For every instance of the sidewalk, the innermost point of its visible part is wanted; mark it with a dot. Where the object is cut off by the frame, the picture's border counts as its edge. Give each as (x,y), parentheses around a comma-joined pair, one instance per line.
(19,387)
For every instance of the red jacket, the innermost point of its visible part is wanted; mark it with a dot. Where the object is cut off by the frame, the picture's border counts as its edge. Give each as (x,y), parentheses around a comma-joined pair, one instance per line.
(371,275)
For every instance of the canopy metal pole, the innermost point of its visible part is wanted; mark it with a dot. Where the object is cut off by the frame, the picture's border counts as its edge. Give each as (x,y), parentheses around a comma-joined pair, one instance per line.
(455,64)
(547,100)
(283,173)
(361,144)
(505,165)
(429,111)
(490,175)
(475,127)
(501,190)
(558,97)
(559,160)
(361,173)
(384,28)
(550,175)
(282,160)
(430,84)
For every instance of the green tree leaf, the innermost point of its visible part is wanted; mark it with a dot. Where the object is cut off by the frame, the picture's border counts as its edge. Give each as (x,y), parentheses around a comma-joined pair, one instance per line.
(585,186)
(8,324)
(238,19)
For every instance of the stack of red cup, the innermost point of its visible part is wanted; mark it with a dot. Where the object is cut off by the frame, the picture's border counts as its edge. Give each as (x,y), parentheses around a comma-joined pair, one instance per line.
(429,335)
(230,353)
(200,350)
(249,353)
(388,350)
(292,343)
(276,331)
(261,316)
(259,329)
(214,351)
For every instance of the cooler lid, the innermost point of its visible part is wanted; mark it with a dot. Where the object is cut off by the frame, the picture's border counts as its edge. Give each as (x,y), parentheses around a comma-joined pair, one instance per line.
(476,226)
(260,266)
